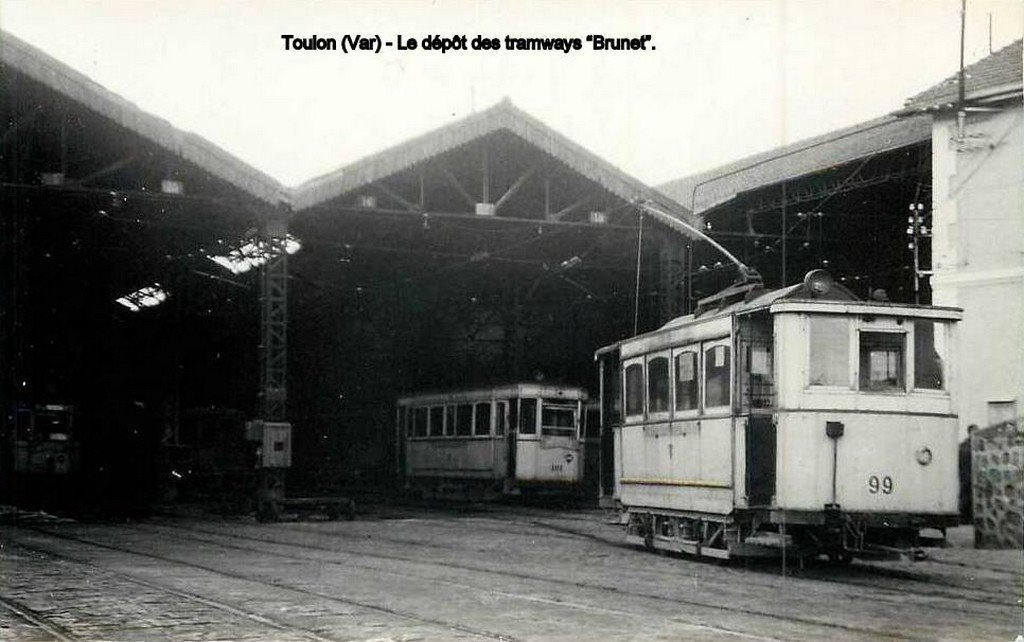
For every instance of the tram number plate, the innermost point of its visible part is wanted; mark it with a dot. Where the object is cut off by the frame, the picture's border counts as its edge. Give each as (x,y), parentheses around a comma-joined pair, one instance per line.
(880,484)
(556,468)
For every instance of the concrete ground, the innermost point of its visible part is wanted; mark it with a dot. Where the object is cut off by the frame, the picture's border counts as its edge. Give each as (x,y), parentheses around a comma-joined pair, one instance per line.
(468,573)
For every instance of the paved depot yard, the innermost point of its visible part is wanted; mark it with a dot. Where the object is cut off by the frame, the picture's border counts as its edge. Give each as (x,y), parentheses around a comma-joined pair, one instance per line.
(483,573)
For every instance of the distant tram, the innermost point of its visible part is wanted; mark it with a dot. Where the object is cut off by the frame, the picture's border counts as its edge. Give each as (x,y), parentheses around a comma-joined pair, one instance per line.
(489,441)
(801,417)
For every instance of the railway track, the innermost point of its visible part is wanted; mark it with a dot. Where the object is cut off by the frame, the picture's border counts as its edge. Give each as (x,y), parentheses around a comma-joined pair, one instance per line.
(233,538)
(559,603)
(36,621)
(857,575)
(234,609)
(825,625)
(744,575)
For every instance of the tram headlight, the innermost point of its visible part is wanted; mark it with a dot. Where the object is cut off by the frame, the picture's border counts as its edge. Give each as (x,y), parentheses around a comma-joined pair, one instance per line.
(924,456)
(818,282)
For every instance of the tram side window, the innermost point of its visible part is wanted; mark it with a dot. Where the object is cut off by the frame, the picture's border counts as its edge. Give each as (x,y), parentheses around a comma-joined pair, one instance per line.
(449,420)
(464,420)
(419,422)
(527,416)
(716,376)
(929,346)
(634,390)
(437,421)
(501,418)
(483,419)
(882,365)
(657,385)
(686,381)
(830,352)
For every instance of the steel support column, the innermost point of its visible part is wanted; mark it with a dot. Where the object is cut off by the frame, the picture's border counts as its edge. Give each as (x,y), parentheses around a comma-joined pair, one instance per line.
(274,322)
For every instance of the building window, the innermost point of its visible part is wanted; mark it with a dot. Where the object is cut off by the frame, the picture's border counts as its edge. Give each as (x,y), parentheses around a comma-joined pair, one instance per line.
(929,347)
(482,426)
(528,416)
(686,380)
(830,352)
(716,376)
(634,390)
(882,361)
(657,385)
(437,421)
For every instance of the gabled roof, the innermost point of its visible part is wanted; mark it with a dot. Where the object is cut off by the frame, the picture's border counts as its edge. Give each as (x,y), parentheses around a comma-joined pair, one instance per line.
(502,116)
(32,62)
(996,75)
(703,191)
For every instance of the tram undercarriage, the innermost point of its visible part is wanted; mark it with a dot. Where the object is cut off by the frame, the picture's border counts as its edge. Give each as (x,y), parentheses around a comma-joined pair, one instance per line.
(800,535)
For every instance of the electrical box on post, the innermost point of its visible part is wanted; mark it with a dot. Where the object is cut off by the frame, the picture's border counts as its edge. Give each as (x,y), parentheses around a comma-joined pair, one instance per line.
(275,439)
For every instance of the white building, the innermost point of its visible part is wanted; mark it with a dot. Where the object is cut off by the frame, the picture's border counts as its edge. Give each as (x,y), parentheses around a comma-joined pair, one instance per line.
(978,228)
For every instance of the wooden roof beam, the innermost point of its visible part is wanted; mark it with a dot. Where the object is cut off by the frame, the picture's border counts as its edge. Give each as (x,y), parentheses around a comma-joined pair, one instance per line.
(513,189)
(109,169)
(454,181)
(560,214)
(395,196)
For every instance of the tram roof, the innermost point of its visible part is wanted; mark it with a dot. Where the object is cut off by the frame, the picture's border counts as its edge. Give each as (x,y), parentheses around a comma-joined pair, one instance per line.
(480,393)
(793,298)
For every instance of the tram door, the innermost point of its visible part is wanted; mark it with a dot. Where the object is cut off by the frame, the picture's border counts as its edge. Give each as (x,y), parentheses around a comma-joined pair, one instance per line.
(513,429)
(611,411)
(760,440)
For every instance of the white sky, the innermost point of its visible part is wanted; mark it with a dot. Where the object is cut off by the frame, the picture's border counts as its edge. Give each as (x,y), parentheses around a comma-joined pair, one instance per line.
(727,79)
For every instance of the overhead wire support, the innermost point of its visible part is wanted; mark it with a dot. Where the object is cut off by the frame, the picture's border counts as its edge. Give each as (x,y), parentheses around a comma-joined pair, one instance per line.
(747,273)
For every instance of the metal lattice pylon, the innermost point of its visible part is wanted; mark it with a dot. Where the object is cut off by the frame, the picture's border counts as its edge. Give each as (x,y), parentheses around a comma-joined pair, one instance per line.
(274,323)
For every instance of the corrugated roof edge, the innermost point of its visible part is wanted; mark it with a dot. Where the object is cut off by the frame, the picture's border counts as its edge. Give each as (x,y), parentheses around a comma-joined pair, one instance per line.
(502,116)
(45,69)
(686,187)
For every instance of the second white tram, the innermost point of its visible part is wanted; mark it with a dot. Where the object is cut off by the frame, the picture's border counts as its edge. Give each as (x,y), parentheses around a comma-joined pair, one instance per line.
(801,417)
(499,439)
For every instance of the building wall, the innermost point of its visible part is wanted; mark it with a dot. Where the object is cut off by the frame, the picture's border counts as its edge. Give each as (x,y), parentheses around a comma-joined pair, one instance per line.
(978,256)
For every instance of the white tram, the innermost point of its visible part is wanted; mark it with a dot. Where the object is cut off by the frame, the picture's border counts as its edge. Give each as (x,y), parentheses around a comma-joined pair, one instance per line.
(501,439)
(800,417)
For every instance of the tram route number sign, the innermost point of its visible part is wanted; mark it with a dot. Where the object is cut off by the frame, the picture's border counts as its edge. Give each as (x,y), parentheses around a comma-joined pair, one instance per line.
(880,484)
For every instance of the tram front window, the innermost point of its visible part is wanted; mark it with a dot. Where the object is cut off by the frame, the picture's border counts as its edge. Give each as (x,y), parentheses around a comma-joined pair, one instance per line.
(830,351)
(882,361)
(557,419)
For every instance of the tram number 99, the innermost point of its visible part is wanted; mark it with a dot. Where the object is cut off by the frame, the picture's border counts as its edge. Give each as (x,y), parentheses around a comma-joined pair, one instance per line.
(878,484)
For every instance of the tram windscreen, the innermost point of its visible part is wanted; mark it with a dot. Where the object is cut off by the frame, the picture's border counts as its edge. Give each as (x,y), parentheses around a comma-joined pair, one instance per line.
(882,365)
(558,419)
